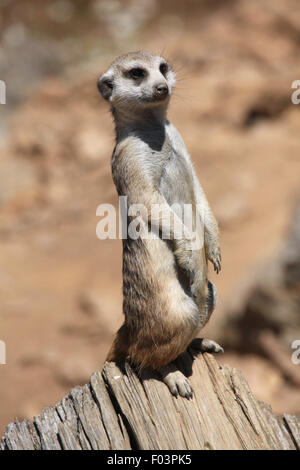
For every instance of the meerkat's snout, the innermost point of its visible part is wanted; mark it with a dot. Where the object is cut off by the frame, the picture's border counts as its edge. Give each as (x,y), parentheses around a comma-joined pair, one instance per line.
(161,90)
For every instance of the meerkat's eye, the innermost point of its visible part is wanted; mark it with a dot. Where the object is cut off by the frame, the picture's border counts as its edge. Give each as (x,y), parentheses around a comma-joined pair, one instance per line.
(136,73)
(163,68)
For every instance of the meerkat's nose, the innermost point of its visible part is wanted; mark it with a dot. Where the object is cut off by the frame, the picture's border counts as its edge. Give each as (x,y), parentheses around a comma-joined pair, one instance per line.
(162,89)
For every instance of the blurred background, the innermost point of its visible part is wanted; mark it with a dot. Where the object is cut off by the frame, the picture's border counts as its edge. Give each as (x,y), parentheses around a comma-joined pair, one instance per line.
(60,287)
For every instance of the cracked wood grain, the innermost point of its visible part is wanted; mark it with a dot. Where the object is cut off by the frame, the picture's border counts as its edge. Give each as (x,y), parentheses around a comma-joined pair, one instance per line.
(120,410)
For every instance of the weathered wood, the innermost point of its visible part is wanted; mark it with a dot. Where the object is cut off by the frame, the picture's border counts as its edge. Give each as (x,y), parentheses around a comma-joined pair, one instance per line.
(21,436)
(119,410)
(292,424)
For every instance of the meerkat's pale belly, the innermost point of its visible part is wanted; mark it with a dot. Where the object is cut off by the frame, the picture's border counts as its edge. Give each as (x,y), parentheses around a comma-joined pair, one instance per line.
(176,182)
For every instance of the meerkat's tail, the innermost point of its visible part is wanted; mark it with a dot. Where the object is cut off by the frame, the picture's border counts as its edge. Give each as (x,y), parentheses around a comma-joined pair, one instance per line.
(119,349)
(212,298)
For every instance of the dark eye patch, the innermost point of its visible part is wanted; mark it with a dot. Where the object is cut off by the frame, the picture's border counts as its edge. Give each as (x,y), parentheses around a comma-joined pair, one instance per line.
(163,68)
(136,73)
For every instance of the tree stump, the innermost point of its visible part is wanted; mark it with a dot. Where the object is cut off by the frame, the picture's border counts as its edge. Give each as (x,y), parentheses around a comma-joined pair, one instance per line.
(118,410)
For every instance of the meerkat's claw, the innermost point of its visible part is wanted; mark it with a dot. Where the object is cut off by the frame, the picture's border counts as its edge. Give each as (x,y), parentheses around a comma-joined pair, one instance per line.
(178,384)
(217,267)
(206,345)
(214,255)
(217,264)
(189,390)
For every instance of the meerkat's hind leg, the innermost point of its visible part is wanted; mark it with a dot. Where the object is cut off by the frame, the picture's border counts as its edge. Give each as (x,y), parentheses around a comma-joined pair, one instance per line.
(176,381)
(206,345)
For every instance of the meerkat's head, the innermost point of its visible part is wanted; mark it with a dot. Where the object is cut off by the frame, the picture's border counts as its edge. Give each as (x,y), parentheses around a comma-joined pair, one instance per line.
(137,80)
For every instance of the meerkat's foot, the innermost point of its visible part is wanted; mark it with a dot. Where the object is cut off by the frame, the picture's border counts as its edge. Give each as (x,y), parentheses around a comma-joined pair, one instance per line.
(178,384)
(206,345)
(176,381)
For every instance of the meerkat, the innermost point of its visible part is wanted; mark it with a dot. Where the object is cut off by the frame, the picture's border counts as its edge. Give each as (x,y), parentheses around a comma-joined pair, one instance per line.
(167,298)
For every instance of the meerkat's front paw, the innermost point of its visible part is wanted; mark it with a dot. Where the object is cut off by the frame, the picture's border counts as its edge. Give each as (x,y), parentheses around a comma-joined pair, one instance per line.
(214,255)
(206,345)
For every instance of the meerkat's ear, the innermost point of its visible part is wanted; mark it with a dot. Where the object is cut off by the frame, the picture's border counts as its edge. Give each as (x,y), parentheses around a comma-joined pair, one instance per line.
(105,86)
